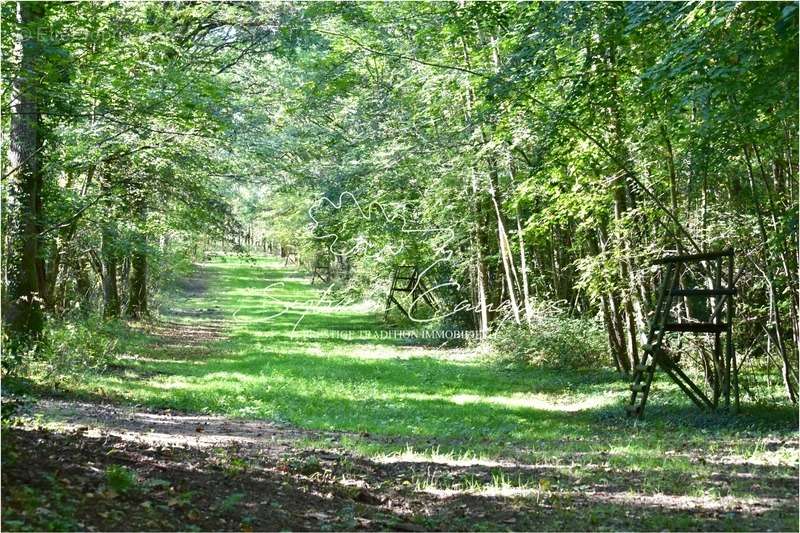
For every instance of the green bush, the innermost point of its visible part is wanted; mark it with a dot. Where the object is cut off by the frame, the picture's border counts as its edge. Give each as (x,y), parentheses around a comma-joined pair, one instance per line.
(73,348)
(551,340)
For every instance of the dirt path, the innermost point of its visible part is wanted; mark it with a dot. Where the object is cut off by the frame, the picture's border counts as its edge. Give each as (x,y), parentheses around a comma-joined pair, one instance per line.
(166,427)
(209,472)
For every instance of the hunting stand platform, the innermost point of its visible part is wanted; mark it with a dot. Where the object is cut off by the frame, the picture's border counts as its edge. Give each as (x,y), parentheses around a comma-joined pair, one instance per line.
(406,279)
(322,270)
(721,297)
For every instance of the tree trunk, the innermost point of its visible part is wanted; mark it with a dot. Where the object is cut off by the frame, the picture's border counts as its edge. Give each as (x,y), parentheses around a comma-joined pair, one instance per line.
(611,318)
(505,255)
(23,312)
(110,290)
(623,201)
(137,298)
(523,267)
(137,288)
(480,263)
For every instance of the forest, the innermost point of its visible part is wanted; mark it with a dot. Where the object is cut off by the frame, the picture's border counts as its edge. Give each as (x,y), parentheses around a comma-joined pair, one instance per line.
(400,266)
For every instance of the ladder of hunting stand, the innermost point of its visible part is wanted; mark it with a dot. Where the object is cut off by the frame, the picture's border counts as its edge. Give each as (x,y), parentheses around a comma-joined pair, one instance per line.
(290,256)
(406,279)
(322,270)
(654,354)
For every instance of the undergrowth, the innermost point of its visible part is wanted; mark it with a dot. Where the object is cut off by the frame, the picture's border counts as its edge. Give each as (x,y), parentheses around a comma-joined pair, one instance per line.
(552,340)
(70,350)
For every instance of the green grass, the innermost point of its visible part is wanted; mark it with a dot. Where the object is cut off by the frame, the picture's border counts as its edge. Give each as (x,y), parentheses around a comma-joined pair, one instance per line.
(394,398)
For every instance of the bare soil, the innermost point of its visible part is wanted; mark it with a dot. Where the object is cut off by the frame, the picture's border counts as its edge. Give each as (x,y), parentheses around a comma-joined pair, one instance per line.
(211,473)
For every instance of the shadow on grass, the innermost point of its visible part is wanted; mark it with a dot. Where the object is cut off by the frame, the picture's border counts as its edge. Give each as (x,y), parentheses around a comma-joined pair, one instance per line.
(261,369)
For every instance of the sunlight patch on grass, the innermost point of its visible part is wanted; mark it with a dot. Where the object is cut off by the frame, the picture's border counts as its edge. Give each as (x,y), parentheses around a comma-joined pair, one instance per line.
(535,402)
(500,484)
(434,455)
(466,458)
(144,359)
(369,351)
(682,502)
(485,491)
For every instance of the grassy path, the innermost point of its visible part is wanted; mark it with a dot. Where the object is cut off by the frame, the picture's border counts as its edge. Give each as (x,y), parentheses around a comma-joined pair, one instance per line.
(439,438)
(288,357)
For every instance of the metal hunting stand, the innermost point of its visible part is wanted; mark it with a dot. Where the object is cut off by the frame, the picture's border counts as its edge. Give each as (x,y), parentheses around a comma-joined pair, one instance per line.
(406,279)
(721,296)
(322,270)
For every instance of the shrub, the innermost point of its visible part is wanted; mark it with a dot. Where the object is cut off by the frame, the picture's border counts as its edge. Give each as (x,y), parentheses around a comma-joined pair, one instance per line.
(551,340)
(73,348)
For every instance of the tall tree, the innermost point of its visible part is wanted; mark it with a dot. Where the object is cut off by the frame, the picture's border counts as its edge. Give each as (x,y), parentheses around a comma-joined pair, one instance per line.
(23,309)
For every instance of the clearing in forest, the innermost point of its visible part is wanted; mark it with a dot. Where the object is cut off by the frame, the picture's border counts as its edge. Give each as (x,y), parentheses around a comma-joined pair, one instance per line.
(254,404)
